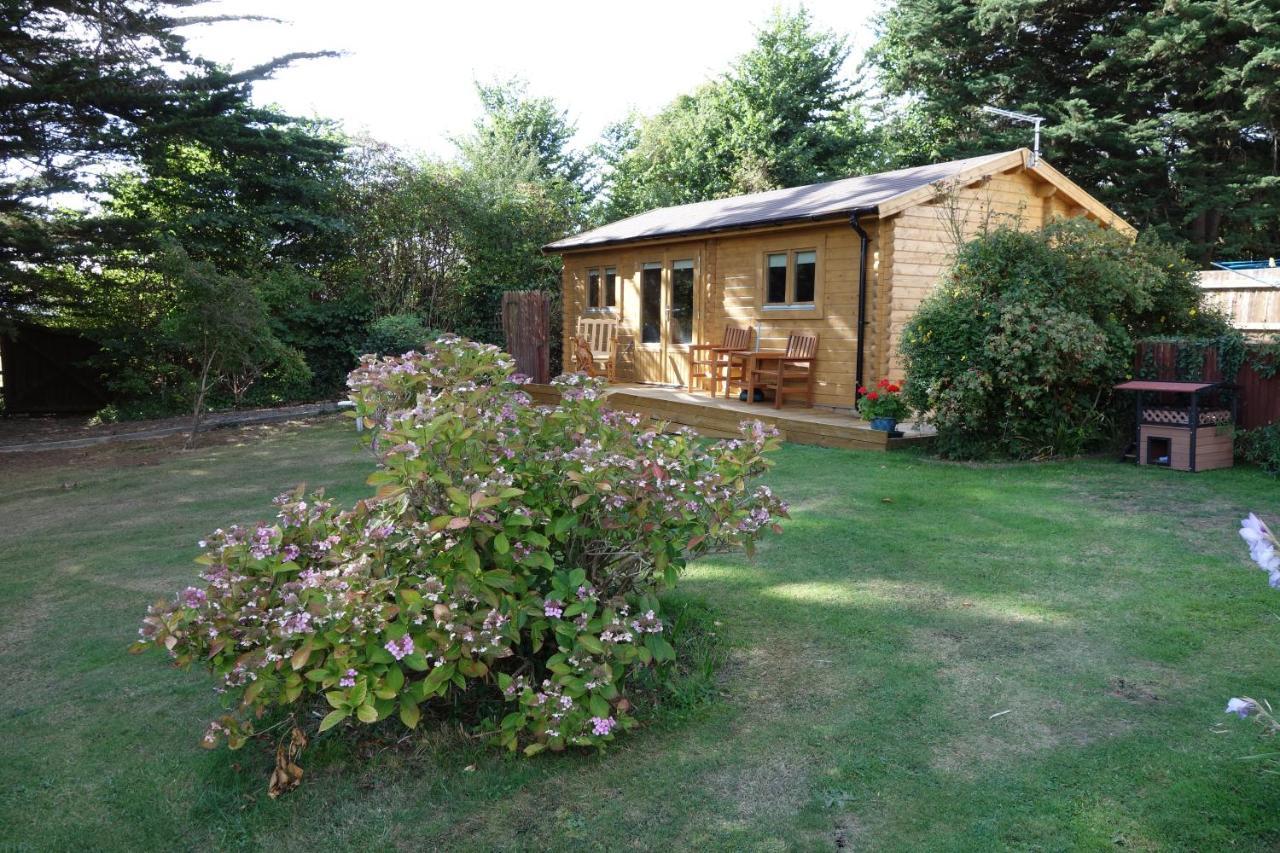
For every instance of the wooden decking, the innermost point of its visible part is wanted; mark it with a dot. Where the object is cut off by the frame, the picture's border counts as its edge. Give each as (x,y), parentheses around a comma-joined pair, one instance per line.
(717,417)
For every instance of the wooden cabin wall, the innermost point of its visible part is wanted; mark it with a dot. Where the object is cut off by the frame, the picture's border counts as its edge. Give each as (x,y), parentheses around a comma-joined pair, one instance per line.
(909,255)
(924,240)
(729,269)
(736,301)
(879,304)
(637,361)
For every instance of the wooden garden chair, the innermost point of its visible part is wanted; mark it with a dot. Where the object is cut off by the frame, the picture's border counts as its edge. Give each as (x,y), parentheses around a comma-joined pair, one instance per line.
(788,372)
(597,342)
(711,361)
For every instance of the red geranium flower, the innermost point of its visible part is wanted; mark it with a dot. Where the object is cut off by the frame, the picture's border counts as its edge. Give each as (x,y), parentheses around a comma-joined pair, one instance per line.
(873,396)
(893,389)
(862,389)
(883,383)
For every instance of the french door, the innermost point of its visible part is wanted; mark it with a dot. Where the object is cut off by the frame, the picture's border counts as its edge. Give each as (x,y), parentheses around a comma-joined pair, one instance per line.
(667,297)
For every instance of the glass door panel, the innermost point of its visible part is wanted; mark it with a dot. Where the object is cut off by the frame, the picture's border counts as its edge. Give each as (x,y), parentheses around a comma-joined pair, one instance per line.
(680,329)
(651,304)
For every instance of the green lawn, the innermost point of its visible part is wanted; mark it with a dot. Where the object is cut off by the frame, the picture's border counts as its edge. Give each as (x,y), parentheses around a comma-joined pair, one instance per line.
(1110,611)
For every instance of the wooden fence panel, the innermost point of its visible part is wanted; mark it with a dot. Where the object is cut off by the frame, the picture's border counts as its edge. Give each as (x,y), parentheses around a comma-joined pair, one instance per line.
(1259,398)
(526,320)
(1259,395)
(1251,298)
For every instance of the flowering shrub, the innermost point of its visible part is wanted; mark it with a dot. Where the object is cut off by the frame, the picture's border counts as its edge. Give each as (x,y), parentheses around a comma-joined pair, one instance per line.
(883,402)
(1264,548)
(507,548)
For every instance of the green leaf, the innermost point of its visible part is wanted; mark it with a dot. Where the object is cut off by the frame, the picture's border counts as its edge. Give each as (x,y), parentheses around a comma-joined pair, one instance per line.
(591,643)
(375,652)
(417,662)
(367,714)
(534,748)
(501,544)
(332,719)
(394,678)
(599,707)
(500,579)
(438,677)
(410,713)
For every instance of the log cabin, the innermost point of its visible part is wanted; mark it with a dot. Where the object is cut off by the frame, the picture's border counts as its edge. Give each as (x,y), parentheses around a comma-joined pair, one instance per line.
(847,260)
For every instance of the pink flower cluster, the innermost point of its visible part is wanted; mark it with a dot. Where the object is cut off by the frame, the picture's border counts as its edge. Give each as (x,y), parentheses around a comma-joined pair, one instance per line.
(400,649)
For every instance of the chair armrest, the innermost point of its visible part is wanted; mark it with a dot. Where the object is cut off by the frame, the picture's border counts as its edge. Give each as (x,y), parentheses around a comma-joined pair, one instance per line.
(797,360)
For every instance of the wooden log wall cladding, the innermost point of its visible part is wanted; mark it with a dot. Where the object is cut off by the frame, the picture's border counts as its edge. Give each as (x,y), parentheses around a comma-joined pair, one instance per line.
(526,321)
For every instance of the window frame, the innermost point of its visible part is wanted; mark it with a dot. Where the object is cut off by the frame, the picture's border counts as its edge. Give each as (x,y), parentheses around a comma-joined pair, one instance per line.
(790,308)
(661,267)
(670,295)
(601,304)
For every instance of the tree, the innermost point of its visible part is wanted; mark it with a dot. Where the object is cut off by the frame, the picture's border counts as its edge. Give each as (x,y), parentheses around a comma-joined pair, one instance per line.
(522,185)
(86,88)
(783,115)
(1167,112)
(220,323)
(511,118)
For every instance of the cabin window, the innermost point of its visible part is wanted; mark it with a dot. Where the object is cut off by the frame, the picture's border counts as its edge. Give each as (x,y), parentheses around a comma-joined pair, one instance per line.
(806,269)
(593,287)
(776,285)
(791,281)
(681,302)
(602,291)
(610,287)
(651,304)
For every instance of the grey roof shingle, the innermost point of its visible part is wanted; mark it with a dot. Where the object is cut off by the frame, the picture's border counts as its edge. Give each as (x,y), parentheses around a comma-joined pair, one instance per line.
(795,203)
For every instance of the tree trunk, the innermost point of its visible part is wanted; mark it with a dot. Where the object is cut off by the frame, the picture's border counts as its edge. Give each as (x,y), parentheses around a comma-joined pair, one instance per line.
(198,414)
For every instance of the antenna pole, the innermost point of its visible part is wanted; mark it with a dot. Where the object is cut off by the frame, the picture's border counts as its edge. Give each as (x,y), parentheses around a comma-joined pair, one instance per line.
(1036,121)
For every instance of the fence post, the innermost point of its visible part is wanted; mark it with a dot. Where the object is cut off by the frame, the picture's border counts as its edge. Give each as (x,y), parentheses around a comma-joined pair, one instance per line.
(526,315)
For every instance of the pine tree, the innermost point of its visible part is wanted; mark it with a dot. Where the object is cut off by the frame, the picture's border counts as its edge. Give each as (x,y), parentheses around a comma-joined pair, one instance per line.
(1168,112)
(783,115)
(91,88)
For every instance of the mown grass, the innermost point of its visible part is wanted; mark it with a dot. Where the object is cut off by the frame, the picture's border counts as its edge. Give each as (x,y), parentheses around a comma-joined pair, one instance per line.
(1109,611)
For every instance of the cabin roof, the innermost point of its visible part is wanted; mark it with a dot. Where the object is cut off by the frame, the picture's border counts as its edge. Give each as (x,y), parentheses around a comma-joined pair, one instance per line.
(879,194)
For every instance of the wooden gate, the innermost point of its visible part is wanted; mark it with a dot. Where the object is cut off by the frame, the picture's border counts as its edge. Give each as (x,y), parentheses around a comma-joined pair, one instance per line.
(526,320)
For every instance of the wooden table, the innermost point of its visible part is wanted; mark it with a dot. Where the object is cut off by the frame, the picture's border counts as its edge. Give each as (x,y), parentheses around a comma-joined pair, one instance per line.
(750,360)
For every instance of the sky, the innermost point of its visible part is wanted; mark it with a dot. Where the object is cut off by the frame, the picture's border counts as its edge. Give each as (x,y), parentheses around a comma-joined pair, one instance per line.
(408,70)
